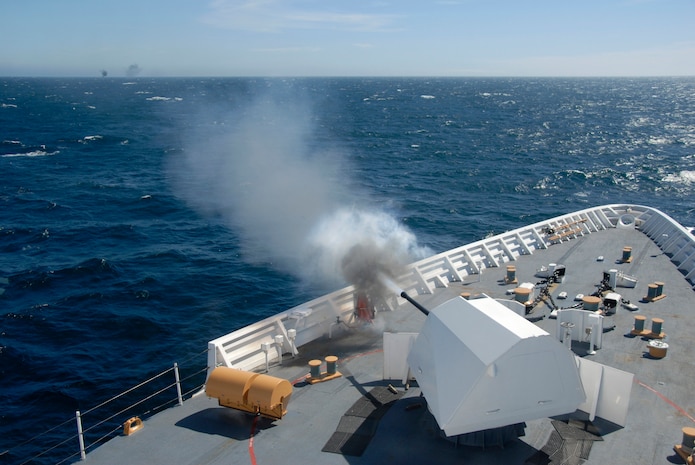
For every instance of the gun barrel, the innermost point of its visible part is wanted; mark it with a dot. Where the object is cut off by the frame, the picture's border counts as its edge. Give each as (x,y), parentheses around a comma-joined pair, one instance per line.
(417,305)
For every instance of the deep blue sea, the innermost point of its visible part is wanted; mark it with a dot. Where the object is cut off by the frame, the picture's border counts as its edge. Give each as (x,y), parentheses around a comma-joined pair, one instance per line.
(141,218)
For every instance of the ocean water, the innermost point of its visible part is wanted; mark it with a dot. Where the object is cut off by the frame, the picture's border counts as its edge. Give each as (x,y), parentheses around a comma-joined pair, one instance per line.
(141,218)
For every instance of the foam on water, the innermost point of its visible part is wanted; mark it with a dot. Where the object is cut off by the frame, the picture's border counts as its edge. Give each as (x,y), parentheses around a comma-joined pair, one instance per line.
(684,177)
(33,153)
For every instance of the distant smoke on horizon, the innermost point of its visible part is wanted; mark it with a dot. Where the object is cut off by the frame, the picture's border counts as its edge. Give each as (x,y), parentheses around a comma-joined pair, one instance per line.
(133,70)
(291,203)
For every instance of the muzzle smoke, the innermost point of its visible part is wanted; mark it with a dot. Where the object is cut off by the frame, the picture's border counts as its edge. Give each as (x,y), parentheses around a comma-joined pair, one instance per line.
(262,173)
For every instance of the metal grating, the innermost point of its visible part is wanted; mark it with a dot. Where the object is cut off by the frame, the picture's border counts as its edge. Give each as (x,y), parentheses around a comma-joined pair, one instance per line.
(358,425)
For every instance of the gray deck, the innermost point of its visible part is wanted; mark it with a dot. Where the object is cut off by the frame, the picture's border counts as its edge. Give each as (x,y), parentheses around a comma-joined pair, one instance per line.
(201,432)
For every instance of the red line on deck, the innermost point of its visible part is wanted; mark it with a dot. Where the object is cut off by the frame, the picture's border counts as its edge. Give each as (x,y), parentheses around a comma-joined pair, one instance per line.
(666,399)
(252,453)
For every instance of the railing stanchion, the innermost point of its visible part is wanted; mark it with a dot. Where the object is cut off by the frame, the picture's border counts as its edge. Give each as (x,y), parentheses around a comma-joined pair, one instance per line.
(178,383)
(80,435)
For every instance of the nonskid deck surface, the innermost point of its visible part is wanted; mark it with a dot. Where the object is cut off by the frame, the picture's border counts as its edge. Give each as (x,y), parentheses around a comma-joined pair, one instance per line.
(357,414)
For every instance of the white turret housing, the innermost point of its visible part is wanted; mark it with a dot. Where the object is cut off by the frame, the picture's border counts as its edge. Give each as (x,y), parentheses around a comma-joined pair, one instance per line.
(481,366)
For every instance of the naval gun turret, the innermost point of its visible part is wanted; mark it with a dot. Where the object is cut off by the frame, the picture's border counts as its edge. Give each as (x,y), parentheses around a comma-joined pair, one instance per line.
(481,366)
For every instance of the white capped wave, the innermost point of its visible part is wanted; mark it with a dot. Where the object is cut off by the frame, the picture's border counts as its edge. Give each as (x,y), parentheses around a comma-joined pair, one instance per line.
(640,122)
(90,139)
(688,139)
(163,99)
(584,174)
(427,96)
(494,94)
(658,141)
(684,177)
(34,153)
(543,184)
(8,105)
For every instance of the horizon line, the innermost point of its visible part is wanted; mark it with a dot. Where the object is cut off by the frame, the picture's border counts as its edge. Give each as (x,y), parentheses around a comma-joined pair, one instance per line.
(366,76)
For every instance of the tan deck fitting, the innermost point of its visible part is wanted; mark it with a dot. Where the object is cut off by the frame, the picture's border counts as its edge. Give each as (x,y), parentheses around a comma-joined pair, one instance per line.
(655,291)
(315,374)
(685,449)
(250,392)
(590,303)
(511,275)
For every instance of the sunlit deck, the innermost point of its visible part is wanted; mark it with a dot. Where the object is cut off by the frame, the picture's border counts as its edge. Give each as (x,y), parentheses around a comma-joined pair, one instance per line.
(362,421)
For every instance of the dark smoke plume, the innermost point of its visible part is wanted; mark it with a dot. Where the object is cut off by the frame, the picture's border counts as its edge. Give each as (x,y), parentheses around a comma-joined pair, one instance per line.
(133,70)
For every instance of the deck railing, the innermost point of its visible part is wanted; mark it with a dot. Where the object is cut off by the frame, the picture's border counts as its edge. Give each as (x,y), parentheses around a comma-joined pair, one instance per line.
(98,424)
(286,331)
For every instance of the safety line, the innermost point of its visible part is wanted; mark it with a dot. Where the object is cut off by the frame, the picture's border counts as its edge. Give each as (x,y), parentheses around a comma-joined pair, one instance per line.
(252,453)
(666,399)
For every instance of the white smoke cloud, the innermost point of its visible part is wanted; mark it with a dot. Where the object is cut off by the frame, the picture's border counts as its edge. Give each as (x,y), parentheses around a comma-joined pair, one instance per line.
(358,244)
(264,175)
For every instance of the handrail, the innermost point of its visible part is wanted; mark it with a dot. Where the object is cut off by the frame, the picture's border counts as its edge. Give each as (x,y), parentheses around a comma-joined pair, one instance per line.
(127,391)
(314,319)
(105,427)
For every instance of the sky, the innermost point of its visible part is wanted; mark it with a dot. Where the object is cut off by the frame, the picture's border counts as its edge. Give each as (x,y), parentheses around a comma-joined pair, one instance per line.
(347,37)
